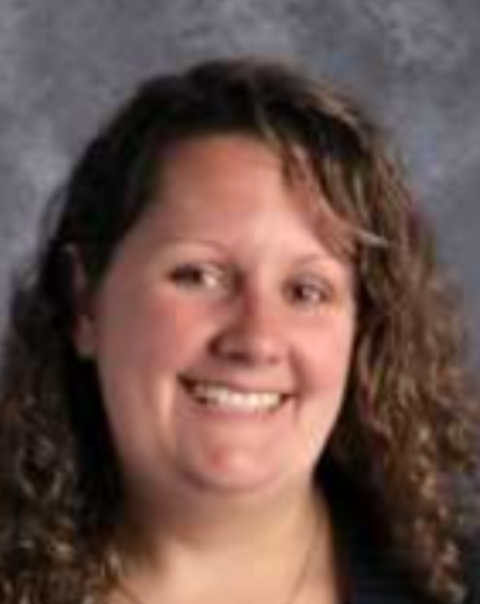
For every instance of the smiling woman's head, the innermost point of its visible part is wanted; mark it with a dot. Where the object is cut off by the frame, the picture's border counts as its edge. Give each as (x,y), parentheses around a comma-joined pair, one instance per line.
(405,388)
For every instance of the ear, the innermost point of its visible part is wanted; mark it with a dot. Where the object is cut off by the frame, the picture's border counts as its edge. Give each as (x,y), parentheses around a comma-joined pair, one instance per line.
(84,324)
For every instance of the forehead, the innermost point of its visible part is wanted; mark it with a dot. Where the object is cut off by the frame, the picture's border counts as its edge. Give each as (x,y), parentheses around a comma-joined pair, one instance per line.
(234,165)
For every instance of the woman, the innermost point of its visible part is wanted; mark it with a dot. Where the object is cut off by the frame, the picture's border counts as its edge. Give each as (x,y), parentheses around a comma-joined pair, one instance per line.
(234,373)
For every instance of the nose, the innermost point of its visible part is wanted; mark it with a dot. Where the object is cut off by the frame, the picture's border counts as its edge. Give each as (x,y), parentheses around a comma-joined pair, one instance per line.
(253,334)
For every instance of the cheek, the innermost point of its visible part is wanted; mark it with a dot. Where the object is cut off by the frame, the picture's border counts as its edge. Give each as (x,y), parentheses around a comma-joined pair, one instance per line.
(147,330)
(326,365)
(142,348)
(328,352)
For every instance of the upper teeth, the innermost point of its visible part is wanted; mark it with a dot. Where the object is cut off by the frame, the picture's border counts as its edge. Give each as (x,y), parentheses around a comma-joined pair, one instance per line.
(228,398)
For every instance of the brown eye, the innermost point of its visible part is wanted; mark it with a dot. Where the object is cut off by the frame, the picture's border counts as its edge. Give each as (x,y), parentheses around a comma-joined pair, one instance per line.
(202,277)
(308,293)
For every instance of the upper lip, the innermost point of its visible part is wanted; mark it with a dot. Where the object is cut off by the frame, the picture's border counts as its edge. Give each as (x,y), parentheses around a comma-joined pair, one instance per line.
(234,385)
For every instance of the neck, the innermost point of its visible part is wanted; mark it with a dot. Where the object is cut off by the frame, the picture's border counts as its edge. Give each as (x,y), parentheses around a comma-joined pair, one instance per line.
(205,548)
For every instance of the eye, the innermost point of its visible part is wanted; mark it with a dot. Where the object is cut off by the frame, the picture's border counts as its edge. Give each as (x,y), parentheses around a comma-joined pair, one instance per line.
(308,293)
(199,276)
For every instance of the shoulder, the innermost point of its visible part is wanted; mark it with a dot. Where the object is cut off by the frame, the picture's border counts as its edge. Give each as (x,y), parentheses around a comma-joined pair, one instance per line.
(472,569)
(372,575)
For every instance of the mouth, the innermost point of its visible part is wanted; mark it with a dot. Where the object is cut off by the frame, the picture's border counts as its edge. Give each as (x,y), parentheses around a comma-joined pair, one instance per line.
(229,398)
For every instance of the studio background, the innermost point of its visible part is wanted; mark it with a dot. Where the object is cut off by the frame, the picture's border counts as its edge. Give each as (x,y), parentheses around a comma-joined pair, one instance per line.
(65,64)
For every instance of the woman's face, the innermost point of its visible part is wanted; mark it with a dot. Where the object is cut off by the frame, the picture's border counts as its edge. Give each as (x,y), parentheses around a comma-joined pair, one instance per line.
(223,328)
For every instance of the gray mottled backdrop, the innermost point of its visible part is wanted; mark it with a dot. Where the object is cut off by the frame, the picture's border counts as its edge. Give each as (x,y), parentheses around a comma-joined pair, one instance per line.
(65,63)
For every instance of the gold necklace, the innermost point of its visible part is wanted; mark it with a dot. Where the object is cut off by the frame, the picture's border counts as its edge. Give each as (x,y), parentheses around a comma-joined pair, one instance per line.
(295,591)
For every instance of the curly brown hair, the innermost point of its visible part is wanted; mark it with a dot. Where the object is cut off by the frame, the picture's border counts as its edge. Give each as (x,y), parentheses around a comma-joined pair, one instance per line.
(405,434)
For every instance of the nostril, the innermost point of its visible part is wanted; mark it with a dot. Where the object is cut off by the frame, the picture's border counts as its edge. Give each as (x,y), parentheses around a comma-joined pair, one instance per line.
(246,348)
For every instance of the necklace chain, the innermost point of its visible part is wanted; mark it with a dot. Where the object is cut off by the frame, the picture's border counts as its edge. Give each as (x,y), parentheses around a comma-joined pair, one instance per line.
(295,591)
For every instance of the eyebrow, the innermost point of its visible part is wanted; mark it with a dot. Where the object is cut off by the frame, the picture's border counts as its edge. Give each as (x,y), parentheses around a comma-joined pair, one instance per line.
(323,258)
(184,241)
(304,259)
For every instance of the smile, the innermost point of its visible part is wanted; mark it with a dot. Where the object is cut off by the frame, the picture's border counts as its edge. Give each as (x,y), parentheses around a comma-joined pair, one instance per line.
(224,397)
